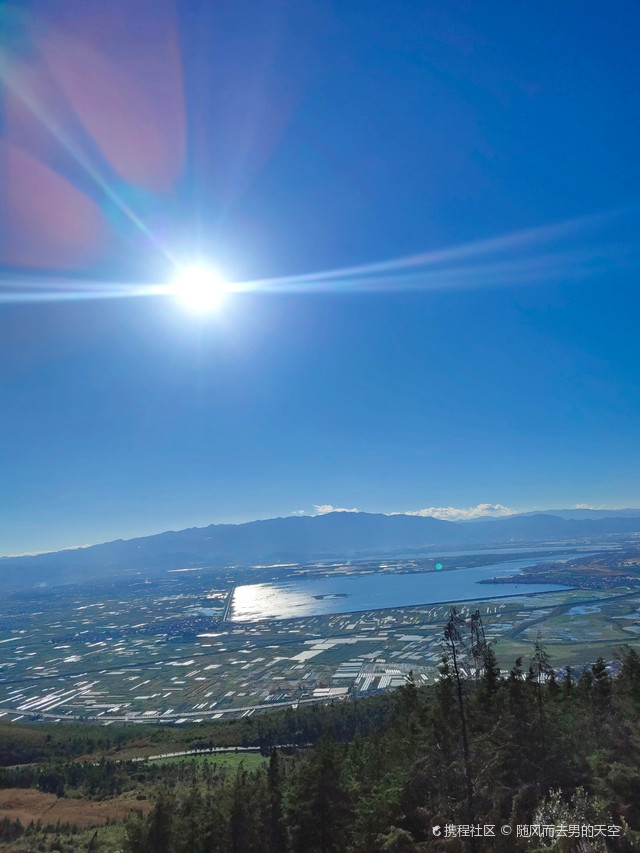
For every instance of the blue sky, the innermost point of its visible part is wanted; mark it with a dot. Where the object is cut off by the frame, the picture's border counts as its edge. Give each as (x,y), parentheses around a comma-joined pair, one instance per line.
(294,138)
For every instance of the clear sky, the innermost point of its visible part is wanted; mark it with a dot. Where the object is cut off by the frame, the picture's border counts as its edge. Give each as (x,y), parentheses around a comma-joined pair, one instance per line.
(278,139)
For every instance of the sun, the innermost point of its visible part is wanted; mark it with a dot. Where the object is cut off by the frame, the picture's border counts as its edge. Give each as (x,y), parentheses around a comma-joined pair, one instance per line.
(200,289)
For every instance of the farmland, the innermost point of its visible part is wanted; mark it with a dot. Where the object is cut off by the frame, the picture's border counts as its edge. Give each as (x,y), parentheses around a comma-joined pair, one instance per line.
(169,650)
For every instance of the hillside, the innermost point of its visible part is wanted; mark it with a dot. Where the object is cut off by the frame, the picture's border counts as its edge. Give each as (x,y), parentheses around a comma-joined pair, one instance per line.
(529,748)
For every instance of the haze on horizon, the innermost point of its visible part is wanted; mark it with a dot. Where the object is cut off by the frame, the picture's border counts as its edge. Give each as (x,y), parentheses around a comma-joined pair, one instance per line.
(427,218)
(482,512)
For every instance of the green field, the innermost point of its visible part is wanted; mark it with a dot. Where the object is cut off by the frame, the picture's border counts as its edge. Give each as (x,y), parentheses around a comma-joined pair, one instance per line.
(219,761)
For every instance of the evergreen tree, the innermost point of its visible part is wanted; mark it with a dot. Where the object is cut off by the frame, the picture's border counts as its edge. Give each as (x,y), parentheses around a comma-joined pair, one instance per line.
(479,644)
(277,837)
(248,805)
(491,671)
(160,829)
(320,809)
(541,670)
(629,680)
(453,639)
(191,820)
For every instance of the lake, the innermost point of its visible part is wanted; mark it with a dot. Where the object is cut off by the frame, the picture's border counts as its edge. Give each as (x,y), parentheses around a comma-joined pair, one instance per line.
(353,593)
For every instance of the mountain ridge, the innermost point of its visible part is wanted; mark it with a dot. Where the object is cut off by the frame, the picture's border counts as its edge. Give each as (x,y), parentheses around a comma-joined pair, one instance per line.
(301,538)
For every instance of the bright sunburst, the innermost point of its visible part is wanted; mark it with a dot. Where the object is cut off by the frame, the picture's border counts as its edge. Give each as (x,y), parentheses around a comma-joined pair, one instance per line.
(199,288)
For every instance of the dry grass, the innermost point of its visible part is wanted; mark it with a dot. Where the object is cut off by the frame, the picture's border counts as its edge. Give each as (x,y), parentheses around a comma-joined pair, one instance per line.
(28,805)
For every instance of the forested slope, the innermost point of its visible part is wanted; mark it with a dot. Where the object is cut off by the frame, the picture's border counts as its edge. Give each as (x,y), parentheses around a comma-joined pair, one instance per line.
(528,738)
(532,748)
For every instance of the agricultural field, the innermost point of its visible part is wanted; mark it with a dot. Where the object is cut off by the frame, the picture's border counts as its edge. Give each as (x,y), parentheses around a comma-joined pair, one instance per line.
(169,651)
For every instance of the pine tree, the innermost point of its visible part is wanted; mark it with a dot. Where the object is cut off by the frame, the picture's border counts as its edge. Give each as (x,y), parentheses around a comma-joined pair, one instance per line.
(160,830)
(541,669)
(479,644)
(248,805)
(601,697)
(491,673)
(277,837)
(629,680)
(320,809)
(453,639)
(191,812)
(407,718)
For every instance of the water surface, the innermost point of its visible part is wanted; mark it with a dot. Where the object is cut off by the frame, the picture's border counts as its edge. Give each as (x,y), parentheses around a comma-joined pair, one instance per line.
(353,593)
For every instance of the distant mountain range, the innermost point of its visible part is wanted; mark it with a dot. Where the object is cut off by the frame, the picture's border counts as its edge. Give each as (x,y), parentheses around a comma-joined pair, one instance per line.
(573,514)
(336,534)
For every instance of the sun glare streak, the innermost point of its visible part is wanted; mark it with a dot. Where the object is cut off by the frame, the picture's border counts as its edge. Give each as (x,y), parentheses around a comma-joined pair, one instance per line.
(43,116)
(33,289)
(202,289)
(513,242)
(528,270)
